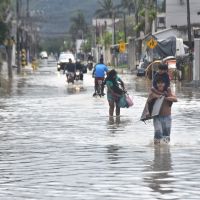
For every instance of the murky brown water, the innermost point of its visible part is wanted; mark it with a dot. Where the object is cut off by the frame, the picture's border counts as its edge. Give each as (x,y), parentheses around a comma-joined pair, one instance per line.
(57,142)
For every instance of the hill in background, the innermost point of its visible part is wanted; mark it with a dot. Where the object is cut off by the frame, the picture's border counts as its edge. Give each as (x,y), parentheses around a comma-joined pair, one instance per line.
(54,15)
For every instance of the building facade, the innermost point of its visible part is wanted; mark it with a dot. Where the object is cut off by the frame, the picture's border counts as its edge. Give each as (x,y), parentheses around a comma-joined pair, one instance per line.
(176,13)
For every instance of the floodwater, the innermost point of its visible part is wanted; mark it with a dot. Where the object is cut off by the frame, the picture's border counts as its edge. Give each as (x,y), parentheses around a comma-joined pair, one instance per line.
(57,142)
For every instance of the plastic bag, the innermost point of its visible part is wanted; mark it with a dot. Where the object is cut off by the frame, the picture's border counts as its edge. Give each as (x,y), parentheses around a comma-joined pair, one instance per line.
(129,100)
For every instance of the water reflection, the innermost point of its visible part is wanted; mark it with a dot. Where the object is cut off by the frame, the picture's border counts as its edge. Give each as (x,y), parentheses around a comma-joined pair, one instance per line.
(119,121)
(158,174)
(72,89)
(98,157)
(112,153)
(6,86)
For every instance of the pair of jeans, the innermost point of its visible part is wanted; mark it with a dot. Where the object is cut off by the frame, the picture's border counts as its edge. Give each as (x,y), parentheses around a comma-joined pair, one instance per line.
(162,127)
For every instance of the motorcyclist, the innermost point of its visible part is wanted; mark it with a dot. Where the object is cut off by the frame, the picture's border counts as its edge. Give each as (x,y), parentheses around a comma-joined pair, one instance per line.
(70,68)
(90,57)
(79,67)
(98,73)
(90,61)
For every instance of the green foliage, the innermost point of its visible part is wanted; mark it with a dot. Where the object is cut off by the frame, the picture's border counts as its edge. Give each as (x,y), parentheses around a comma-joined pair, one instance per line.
(86,46)
(79,27)
(3,32)
(52,45)
(106,9)
(129,5)
(142,12)
(107,39)
(152,14)
(139,26)
(119,36)
(4,5)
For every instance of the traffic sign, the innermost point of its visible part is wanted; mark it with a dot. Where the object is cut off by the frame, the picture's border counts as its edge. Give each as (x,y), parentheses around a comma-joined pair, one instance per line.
(152,43)
(122,47)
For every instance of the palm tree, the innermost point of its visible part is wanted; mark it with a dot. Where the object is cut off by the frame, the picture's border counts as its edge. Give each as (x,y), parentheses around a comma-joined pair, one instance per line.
(78,26)
(136,7)
(4,5)
(129,5)
(144,13)
(106,9)
(4,27)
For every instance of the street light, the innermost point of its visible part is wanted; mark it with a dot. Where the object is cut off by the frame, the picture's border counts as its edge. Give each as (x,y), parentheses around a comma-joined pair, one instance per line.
(18,36)
(124,26)
(189,38)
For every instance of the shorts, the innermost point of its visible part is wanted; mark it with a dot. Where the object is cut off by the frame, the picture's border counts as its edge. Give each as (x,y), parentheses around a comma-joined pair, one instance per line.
(162,128)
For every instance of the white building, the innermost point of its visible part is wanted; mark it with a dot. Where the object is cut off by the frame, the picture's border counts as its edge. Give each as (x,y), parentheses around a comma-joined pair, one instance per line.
(175,18)
(176,12)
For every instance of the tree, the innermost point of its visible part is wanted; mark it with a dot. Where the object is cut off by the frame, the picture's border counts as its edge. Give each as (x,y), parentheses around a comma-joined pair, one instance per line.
(150,15)
(78,27)
(107,39)
(106,9)
(136,7)
(4,27)
(4,6)
(129,5)
(3,32)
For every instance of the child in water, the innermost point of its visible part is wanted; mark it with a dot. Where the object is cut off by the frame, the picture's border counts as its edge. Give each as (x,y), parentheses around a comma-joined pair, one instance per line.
(162,73)
(162,122)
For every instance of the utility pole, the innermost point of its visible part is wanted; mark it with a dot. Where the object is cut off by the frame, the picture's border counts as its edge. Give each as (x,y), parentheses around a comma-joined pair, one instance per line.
(18,37)
(124,27)
(27,8)
(146,31)
(113,28)
(189,25)
(156,19)
(27,34)
(189,40)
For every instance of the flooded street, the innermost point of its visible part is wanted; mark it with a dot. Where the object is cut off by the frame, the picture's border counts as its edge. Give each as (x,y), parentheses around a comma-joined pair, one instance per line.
(57,142)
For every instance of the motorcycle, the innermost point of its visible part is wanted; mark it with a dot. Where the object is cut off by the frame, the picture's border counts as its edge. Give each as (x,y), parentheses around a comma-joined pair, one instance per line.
(90,65)
(78,75)
(99,88)
(70,77)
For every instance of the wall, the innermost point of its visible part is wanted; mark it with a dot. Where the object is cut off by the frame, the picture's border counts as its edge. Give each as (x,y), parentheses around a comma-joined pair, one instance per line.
(196,71)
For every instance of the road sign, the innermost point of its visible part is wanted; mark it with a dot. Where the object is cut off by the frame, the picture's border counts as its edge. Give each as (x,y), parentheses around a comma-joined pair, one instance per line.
(122,47)
(152,43)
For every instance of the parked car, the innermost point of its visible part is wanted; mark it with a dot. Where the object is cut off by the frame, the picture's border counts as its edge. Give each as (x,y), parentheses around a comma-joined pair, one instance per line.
(64,59)
(141,68)
(43,55)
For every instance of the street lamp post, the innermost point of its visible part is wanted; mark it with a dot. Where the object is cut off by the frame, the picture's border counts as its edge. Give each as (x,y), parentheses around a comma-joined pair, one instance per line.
(189,25)
(113,28)
(124,27)
(189,38)
(18,36)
